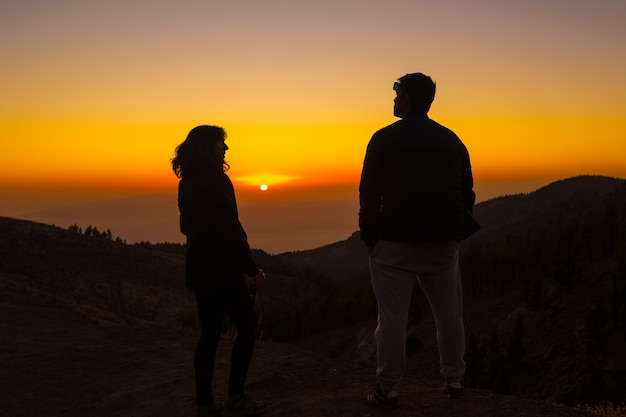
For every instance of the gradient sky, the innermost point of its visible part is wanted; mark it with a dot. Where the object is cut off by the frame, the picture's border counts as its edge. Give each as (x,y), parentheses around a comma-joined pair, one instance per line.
(97,94)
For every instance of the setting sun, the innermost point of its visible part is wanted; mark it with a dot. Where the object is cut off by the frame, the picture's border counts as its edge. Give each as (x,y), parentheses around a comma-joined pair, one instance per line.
(263,187)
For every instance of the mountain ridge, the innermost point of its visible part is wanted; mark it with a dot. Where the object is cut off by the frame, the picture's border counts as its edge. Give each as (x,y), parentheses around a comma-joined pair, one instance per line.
(337,259)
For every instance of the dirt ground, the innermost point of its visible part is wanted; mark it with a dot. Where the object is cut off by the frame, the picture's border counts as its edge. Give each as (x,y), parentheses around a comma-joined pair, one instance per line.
(57,363)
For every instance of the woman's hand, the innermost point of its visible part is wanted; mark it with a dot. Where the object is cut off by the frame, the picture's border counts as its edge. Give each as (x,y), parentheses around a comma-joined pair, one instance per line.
(259,278)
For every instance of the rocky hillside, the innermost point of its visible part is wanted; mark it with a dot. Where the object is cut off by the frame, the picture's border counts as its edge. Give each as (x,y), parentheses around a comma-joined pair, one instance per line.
(545,279)
(97,327)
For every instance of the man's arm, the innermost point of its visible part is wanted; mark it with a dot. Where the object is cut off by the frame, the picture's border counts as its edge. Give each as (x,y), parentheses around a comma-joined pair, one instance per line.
(371,194)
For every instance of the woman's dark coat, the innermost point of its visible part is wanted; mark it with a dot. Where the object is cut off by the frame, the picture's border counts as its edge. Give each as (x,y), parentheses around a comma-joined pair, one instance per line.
(217,245)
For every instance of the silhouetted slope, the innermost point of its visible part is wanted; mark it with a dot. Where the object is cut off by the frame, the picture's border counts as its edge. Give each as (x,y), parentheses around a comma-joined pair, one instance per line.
(87,330)
(105,280)
(343,261)
(551,260)
(544,282)
(523,210)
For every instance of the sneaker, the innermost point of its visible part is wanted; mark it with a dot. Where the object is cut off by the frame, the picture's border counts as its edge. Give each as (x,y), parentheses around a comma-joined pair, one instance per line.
(377,398)
(211,410)
(244,406)
(454,389)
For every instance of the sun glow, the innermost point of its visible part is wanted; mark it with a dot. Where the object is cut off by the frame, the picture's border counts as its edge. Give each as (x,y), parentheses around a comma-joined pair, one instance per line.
(265,179)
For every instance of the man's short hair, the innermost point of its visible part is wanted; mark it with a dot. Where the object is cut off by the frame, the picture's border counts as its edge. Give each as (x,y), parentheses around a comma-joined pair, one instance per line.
(420,89)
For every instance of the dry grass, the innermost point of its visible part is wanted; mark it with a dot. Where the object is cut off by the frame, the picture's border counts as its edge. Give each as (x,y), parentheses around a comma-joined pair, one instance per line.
(606,410)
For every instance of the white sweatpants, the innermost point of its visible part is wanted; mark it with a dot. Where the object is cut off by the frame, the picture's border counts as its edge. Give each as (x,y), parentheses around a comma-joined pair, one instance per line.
(395,267)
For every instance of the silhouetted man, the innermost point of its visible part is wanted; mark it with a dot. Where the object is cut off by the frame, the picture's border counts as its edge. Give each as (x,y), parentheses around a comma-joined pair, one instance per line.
(416,196)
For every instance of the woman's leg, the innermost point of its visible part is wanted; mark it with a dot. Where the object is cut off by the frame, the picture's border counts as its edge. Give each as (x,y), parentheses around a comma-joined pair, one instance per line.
(240,308)
(211,317)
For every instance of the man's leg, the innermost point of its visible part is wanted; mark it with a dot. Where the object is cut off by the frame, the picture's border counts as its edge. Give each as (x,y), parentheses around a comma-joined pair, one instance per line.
(392,288)
(440,280)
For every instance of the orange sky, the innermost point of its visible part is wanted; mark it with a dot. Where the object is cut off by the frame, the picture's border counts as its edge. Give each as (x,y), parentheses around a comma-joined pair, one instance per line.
(96,95)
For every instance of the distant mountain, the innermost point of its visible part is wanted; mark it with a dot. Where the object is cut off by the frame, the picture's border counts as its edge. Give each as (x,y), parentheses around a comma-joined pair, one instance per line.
(347,259)
(106,281)
(150,218)
(521,210)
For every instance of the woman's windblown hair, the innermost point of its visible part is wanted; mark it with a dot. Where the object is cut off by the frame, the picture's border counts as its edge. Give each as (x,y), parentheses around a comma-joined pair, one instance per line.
(198,153)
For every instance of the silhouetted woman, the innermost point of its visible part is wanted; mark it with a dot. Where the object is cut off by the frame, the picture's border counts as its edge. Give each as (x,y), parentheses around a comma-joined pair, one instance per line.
(217,260)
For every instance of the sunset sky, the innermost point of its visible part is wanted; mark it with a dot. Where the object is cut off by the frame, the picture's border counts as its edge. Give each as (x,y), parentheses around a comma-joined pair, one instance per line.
(96,95)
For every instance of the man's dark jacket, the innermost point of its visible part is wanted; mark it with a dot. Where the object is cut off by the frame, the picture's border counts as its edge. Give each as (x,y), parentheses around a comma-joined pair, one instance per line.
(217,245)
(416,184)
